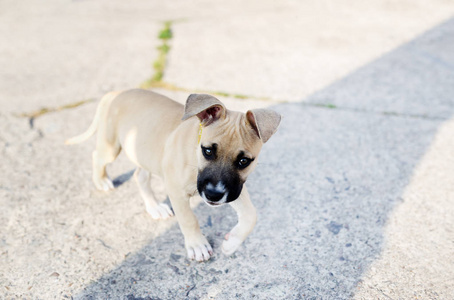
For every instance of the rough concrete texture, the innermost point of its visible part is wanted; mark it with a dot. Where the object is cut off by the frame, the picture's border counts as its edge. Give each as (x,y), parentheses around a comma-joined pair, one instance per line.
(290,49)
(354,193)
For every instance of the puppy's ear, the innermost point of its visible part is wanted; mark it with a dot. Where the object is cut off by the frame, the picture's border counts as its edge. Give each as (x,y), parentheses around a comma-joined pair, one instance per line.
(207,108)
(264,122)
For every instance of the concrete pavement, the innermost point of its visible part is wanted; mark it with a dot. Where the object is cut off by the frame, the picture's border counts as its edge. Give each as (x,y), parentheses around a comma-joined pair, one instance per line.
(354,193)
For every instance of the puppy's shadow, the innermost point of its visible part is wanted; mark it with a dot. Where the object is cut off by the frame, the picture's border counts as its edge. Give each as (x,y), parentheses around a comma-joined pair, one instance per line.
(125,177)
(119,180)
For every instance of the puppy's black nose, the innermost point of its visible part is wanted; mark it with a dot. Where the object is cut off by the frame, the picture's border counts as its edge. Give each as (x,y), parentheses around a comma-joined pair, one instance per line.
(213,194)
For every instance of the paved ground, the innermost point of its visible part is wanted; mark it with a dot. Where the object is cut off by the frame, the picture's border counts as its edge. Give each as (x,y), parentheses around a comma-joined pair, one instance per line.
(354,193)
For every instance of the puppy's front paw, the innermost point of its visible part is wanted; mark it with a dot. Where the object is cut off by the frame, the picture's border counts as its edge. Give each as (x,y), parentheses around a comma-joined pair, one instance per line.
(231,244)
(200,250)
(103,184)
(160,211)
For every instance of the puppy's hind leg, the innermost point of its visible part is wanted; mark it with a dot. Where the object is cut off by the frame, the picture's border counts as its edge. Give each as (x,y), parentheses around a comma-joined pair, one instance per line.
(155,209)
(104,154)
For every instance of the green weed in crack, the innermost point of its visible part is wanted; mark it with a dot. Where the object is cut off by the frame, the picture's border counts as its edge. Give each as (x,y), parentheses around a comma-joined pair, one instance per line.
(159,65)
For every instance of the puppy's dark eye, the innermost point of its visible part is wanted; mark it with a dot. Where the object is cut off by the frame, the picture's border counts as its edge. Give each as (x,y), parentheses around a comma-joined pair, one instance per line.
(244,162)
(208,153)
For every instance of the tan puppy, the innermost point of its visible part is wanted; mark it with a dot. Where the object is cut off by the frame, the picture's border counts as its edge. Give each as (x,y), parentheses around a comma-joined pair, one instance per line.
(212,151)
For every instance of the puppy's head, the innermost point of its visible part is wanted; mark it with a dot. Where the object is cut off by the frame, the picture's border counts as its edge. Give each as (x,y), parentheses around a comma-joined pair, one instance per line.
(229,145)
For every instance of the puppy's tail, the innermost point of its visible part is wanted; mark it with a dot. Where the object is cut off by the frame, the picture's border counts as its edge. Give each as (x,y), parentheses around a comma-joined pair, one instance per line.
(102,107)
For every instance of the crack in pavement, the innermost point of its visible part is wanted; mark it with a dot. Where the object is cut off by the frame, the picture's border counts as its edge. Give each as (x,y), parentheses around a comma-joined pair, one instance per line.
(45,110)
(365,111)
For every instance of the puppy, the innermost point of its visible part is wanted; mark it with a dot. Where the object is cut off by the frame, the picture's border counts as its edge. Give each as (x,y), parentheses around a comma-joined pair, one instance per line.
(200,147)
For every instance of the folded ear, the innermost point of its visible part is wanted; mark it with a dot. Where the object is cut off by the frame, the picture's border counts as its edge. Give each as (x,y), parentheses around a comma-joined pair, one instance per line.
(207,108)
(264,121)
